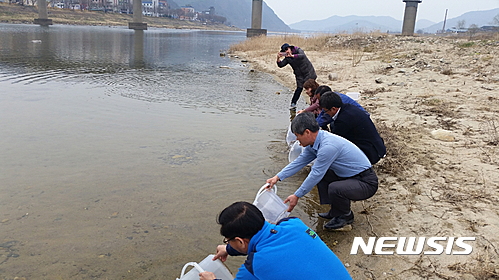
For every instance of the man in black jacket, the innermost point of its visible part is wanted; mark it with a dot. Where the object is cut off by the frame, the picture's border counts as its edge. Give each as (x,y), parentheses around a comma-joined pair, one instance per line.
(302,68)
(350,122)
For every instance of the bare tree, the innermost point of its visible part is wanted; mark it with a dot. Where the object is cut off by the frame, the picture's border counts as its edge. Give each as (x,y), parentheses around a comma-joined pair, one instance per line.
(495,21)
(461,24)
(472,30)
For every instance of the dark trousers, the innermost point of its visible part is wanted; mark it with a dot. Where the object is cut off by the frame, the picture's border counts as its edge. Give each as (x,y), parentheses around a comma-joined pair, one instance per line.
(296,95)
(338,191)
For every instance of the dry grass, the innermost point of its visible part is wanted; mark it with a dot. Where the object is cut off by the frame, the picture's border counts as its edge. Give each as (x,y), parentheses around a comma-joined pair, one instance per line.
(481,268)
(491,129)
(399,157)
(361,42)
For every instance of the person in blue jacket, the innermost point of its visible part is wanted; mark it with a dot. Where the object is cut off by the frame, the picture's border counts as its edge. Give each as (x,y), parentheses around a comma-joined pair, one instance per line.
(283,251)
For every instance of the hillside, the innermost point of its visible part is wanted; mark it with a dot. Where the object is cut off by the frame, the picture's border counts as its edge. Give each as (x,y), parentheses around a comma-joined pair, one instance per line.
(13,13)
(336,24)
(480,18)
(238,13)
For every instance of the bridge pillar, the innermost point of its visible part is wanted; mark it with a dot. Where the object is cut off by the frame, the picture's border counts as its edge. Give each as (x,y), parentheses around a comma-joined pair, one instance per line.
(137,23)
(43,18)
(256,20)
(411,9)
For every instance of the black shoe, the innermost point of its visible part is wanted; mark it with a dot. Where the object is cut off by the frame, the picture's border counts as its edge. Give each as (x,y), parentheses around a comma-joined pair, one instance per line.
(325,215)
(339,221)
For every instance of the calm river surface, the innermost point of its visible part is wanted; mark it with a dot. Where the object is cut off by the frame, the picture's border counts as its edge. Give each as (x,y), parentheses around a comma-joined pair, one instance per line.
(119,148)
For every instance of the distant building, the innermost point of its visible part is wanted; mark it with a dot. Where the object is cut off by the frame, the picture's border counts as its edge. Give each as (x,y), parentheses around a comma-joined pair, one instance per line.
(188,13)
(489,28)
(210,11)
(147,7)
(456,30)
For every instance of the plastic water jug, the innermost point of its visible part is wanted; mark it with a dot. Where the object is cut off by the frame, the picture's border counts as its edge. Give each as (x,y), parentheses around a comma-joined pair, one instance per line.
(290,136)
(354,95)
(272,206)
(217,267)
(295,151)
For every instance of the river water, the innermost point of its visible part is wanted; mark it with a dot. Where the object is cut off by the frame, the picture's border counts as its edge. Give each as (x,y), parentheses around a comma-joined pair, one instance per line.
(120,147)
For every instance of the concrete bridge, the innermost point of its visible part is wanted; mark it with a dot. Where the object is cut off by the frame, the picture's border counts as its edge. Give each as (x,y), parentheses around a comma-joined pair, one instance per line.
(411,7)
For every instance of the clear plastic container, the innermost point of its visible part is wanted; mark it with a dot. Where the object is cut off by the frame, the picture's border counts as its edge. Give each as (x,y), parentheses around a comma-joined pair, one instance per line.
(295,150)
(354,95)
(290,136)
(272,206)
(217,267)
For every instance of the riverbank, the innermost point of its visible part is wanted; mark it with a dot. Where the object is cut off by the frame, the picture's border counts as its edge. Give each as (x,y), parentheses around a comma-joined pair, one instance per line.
(435,103)
(13,13)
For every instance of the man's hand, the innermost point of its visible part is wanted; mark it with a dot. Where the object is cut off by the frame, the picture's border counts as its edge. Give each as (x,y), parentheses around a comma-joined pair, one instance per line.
(207,275)
(293,200)
(272,181)
(221,253)
(280,55)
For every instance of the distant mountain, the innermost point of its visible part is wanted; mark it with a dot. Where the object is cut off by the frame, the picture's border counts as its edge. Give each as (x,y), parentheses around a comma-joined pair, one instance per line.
(480,18)
(423,23)
(238,13)
(349,24)
(172,4)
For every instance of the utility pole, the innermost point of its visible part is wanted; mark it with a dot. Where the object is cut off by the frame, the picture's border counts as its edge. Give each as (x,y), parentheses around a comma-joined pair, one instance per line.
(445,19)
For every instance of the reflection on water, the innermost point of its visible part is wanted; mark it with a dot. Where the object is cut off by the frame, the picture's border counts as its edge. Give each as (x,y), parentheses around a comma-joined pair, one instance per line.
(138,50)
(120,147)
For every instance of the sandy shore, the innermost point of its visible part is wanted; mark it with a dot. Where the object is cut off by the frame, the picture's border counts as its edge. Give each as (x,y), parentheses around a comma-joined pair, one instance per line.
(436,102)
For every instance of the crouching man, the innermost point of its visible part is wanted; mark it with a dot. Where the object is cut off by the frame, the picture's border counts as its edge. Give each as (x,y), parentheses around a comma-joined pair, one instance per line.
(342,172)
(286,250)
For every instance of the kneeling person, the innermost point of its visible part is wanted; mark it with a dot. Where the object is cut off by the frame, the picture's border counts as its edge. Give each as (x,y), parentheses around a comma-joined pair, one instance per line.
(342,172)
(287,250)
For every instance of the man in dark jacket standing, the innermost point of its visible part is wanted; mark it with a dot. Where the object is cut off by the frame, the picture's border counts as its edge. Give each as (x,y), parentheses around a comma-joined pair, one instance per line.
(302,68)
(350,122)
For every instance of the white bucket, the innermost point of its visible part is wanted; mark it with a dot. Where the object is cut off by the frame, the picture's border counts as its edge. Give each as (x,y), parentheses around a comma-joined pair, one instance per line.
(272,206)
(295,151)
(217,267)
(354,95)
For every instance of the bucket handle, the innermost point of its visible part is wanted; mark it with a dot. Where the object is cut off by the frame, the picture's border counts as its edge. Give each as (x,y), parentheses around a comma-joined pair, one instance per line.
(197,266)
(264,189)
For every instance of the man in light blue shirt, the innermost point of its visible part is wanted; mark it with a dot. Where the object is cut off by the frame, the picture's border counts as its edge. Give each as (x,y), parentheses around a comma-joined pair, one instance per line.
(341,171)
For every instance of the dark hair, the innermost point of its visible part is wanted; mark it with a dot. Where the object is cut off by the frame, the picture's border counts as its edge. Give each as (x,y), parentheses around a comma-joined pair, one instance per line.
(330,99)
(303,122)
(311,83)
(240,219)
(322,89)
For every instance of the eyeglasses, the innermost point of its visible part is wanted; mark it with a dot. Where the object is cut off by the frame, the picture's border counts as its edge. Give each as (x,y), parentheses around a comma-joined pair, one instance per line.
(328,111)
(226,240)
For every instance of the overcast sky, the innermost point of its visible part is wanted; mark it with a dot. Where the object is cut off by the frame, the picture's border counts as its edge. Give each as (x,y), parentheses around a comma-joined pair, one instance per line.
(292,11)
